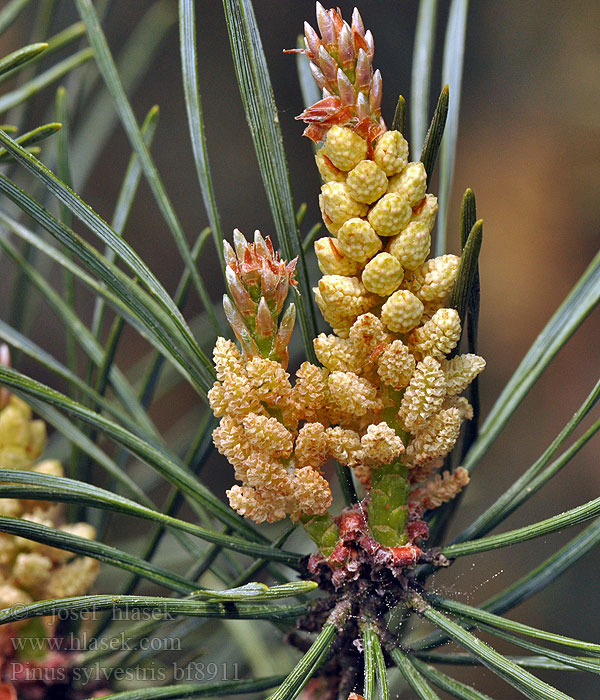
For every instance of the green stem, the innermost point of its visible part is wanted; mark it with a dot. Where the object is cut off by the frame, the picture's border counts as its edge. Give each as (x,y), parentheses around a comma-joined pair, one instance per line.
(322,530)
(388,512)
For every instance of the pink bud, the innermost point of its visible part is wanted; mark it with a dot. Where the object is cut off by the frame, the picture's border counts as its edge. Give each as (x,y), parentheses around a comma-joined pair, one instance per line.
(239,243)
(376,91)
(363,71)
(327,64)
(345,88)
(370,44)
(264,319)
(228,253)
(357,23)
(312,41)
(239,328)
(362,107)
(325,25)
(242,300)
(317,74)
(346,55)
(260,244)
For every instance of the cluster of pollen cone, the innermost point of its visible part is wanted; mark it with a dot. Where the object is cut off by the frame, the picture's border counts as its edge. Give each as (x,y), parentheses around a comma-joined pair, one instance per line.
(386,394)
(31,571)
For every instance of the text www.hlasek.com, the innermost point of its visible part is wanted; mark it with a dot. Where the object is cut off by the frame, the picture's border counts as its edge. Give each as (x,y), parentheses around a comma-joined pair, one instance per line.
(83,642)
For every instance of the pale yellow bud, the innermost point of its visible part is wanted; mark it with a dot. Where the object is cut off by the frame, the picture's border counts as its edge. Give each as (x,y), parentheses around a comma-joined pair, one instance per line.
(426,212)
(424,395)
(22,406)
(37,438)
(434,279)
(438,336)
(402,311)
(357,240)
(411,246)
(14,428)
(309,392)
(396,365)
(11,595)
(344,445)
(246,501)
(81,530)
(269,380)
(441,489)
(234,396)
(339,353)
(230,440)
(390,215)
(344,148)
(411,183)
(338,204)
(347,294)
(366,182)
(382,275)
(334,315)
(327,169)
(461,370)
(31,570)
(311,491)
(436,437)
(368,332)
(268,435)
(8,549)
(330,225)
(74,578)
(10,507)
(52,467)
(266,473)
(381,445)
(391,152)
(351,396)
(460,403)
(12,457)
(227,359)
(331,259)
(312,447)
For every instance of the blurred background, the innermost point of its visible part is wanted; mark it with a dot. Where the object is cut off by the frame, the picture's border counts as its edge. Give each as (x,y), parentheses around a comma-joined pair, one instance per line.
(529,147)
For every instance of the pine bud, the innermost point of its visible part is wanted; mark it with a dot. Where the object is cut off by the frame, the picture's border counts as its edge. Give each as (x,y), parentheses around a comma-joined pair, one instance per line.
(357,240)
(347,294)
(411,246)
(390,215)
(396,365)
(382,275)
(327,169)
(331,259)
(424,395)
(438,336)
(402,311)
(344,148)
(460,371)
(433,280)
(411,182)
(366,182)
(391,152)
(426,212)
(338,204)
